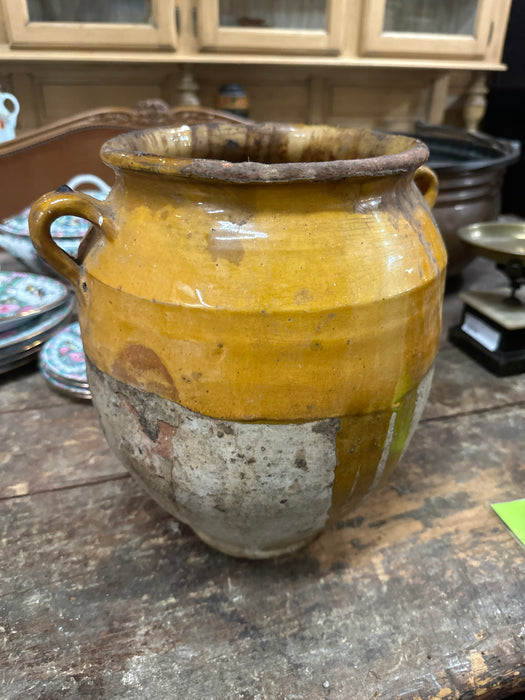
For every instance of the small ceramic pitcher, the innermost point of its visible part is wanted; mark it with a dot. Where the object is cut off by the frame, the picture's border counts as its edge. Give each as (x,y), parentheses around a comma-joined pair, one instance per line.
(9,108)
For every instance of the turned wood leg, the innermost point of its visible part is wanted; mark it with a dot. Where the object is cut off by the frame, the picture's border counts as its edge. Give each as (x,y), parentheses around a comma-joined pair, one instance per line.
(476,102)
(187,89)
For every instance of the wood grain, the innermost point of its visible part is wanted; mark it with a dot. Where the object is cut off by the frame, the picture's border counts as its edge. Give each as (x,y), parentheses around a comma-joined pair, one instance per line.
(419,591)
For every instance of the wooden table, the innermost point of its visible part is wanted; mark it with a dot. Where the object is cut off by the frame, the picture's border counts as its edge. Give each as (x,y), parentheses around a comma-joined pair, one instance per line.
(418,594)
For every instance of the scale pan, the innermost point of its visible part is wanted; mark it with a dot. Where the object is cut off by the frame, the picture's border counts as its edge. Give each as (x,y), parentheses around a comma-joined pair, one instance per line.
(500,241)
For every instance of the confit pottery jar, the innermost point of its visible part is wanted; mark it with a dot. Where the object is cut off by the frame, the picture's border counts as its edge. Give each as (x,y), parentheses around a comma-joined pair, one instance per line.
(260,309)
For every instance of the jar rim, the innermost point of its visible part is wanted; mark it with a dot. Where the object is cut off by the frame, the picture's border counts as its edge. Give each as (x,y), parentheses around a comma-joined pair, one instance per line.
(264,152)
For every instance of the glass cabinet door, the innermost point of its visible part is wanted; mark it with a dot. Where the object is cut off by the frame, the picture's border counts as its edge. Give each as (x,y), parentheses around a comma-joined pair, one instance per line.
(434,28)
(121,24)
(304,26)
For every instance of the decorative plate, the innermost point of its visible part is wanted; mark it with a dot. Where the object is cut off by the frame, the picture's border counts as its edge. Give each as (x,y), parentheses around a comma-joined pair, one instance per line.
(63,357)
(19,361)
(28,335)
(23,250)
(24,296)
(76,392)
(21,351)
(65,226)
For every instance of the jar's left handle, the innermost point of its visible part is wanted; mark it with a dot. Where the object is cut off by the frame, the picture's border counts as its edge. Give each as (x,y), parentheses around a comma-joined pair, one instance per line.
(64,202)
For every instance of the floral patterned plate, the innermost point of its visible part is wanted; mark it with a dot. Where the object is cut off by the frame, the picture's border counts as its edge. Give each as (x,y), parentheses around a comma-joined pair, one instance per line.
(26,350)
(65,226)
(75,392)
(22,249)
(63,359)
(18,361)
(28,335)
(25,296)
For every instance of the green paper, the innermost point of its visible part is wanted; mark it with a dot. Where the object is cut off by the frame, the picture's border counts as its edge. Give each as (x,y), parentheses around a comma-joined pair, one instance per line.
(513,515)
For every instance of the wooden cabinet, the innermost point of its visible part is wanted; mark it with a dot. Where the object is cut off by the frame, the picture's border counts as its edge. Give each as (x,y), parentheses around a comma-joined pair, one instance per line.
(444,29)
(441,33)
(381,63)
(74,24)
(295,26)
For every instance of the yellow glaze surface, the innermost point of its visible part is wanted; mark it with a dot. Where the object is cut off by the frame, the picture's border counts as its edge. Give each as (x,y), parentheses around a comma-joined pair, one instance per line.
(266,302)
(276,300)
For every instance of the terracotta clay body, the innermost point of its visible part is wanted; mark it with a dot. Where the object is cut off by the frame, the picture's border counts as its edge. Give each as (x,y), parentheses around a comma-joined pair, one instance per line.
(260,308)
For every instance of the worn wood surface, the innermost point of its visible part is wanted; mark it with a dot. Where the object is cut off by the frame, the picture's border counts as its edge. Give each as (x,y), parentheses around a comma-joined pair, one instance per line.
(420,593)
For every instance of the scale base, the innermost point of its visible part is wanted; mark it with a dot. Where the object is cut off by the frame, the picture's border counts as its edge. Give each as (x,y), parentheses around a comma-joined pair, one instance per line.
(503,364)
(492,333)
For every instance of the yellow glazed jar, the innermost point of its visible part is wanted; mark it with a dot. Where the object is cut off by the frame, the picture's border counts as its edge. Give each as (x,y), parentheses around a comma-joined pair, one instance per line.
(260,308)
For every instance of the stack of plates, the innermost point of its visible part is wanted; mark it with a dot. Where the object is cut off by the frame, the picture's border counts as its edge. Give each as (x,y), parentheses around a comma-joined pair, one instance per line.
(63,363)
(32,309)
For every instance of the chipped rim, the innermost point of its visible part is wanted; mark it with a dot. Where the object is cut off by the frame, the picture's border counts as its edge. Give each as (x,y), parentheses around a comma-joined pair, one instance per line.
(121,153)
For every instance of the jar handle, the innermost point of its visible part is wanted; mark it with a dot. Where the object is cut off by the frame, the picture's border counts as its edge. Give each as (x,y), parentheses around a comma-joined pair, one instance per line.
(427,181)
(64,202)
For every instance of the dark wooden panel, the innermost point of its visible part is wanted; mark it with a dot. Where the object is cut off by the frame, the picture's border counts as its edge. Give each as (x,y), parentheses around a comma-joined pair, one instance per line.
(43,159)
(28,174)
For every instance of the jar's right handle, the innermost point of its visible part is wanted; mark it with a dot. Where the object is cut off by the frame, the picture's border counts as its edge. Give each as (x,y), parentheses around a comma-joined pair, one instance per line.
(427,181)
(63,202)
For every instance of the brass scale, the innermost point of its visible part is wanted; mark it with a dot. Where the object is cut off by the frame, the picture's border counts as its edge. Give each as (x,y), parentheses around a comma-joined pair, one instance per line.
(492,326)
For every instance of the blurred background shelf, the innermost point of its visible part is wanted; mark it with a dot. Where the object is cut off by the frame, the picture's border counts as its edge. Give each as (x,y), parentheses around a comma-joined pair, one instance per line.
(383,63)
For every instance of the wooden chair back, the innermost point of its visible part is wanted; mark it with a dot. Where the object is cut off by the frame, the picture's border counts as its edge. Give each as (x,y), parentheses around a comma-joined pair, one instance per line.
(45,158)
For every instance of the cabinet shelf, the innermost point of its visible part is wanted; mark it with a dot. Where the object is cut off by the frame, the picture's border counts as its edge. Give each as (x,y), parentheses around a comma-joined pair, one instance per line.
(149,57)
